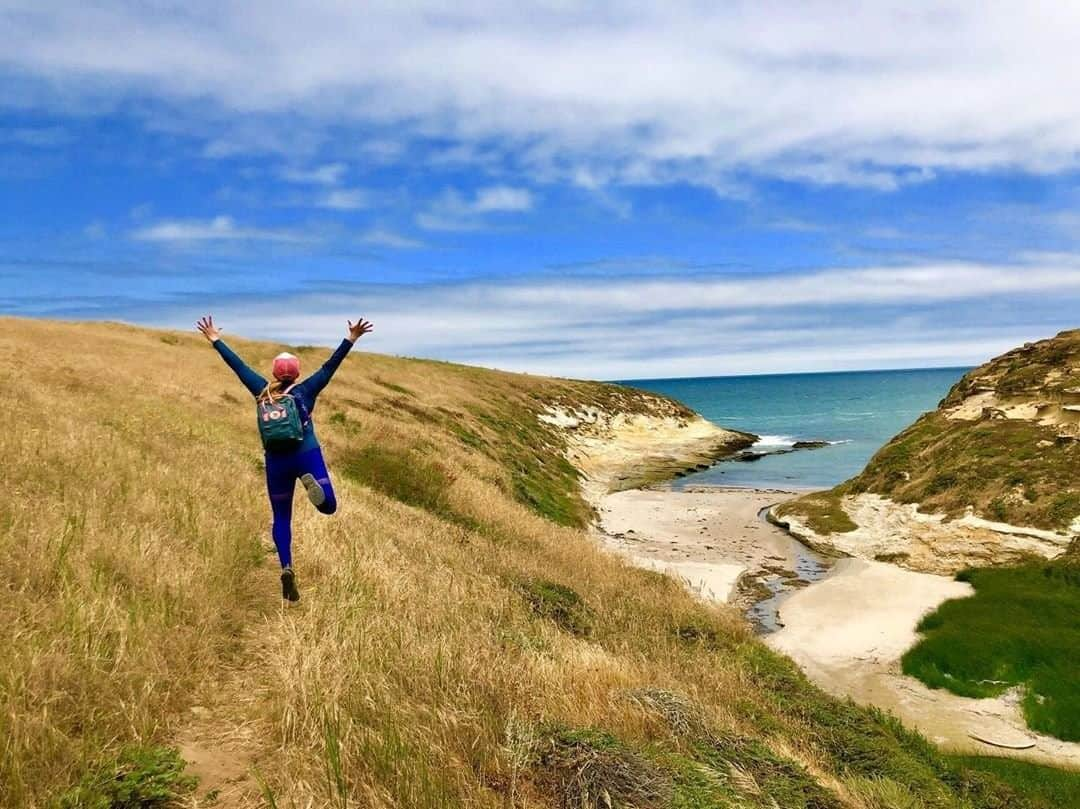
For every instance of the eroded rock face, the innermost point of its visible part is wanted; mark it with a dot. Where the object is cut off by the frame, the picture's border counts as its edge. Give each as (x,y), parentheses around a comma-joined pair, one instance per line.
(993,474)
(899,533)
(622,450)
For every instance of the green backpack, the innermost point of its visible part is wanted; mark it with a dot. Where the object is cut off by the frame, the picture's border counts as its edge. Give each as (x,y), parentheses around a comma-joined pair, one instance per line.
(281,427)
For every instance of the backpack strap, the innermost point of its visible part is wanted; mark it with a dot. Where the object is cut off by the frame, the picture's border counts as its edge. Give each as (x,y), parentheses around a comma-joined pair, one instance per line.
(305,414)
(270,396)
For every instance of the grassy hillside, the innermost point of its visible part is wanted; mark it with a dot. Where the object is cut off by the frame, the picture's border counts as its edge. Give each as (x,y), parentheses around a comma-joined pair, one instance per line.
(461,641)
(1005,441)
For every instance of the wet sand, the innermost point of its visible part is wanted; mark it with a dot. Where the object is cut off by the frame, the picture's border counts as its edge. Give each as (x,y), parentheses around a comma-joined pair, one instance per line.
(713,538)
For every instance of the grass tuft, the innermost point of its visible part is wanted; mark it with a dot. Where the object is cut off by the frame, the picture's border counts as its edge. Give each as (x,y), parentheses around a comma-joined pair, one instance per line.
(591,769)
(560,604)
(138,778)
(823,512)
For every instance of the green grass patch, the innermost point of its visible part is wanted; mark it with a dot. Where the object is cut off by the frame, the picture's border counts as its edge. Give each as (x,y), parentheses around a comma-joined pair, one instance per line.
(137,778)
(1043,786)
(558,603)
(823,512)
(540,477)
(1019,628)
(393,386)
(755,768)
(407,477)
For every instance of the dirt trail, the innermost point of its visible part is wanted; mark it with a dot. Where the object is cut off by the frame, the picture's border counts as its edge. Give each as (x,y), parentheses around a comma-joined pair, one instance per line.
(223,738)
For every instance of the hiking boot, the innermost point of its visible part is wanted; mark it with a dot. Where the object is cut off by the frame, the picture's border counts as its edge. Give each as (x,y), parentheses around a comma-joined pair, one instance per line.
(315,492)
(288,585)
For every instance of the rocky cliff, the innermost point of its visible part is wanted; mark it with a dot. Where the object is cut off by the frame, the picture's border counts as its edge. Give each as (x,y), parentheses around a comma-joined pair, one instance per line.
(623,447)
(991,475)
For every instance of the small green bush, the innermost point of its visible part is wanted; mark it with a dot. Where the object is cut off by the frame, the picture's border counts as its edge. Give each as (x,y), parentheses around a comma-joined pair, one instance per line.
(560,604)
(137,778)
(698,631)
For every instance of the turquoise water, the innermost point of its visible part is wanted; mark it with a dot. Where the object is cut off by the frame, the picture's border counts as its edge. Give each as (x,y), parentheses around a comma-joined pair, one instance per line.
(856,411)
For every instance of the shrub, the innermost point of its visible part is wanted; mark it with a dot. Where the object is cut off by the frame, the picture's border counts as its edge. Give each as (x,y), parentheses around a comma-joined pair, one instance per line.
(587,769)
(559,604)
(138,778)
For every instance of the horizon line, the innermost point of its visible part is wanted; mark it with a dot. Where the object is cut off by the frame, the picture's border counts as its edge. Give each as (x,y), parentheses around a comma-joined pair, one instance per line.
(791,373)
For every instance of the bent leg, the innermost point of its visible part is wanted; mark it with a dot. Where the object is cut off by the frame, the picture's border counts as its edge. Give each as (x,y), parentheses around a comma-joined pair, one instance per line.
(280,482)
(312,463)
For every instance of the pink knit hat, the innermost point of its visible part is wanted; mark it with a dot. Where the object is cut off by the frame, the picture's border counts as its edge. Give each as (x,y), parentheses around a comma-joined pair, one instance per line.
(286,367)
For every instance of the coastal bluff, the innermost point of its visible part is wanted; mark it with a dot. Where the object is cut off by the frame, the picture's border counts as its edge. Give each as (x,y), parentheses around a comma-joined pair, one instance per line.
(989,477)
(628,442)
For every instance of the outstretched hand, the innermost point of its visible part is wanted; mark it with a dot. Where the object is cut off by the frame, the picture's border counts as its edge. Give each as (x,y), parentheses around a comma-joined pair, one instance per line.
(208,329)
(359,329)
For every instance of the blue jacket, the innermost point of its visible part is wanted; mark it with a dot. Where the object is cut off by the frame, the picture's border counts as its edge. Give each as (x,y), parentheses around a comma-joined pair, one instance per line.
(305,392)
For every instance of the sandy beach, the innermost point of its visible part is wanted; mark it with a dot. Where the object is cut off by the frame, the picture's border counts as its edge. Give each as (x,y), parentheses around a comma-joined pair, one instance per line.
(711,537)
(847,631)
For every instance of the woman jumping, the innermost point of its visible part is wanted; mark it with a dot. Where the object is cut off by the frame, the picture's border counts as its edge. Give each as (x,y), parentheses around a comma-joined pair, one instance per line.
(292,451)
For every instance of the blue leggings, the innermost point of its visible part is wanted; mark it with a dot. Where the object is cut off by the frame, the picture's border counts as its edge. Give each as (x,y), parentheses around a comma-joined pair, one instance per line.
(282,472)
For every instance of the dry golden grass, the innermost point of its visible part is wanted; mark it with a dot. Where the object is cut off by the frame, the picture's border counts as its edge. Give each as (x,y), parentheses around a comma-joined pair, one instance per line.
(138,584)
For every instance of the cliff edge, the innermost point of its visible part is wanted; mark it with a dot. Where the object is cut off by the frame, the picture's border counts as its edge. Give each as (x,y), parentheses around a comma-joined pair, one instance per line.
(991,476)
(644,439)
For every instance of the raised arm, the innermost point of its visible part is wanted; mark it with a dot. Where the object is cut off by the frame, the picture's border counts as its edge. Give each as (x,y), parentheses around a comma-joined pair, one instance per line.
(318,380)
(252,380)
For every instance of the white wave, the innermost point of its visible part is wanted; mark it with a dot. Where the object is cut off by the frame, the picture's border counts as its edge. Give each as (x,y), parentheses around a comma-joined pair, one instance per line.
(775,441)
(789,440)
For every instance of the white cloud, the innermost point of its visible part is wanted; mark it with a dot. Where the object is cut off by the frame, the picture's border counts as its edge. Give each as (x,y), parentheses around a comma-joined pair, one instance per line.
(326,174)
(502,198)
(344,199)
(220,228)
(608,328)
(381,237)
(876,94)
(455,211)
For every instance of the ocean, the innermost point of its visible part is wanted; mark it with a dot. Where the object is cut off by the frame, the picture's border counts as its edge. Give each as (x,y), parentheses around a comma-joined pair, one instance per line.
(856,412)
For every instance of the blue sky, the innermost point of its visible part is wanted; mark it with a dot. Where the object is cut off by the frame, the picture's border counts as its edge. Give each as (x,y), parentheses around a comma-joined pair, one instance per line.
(629,191)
